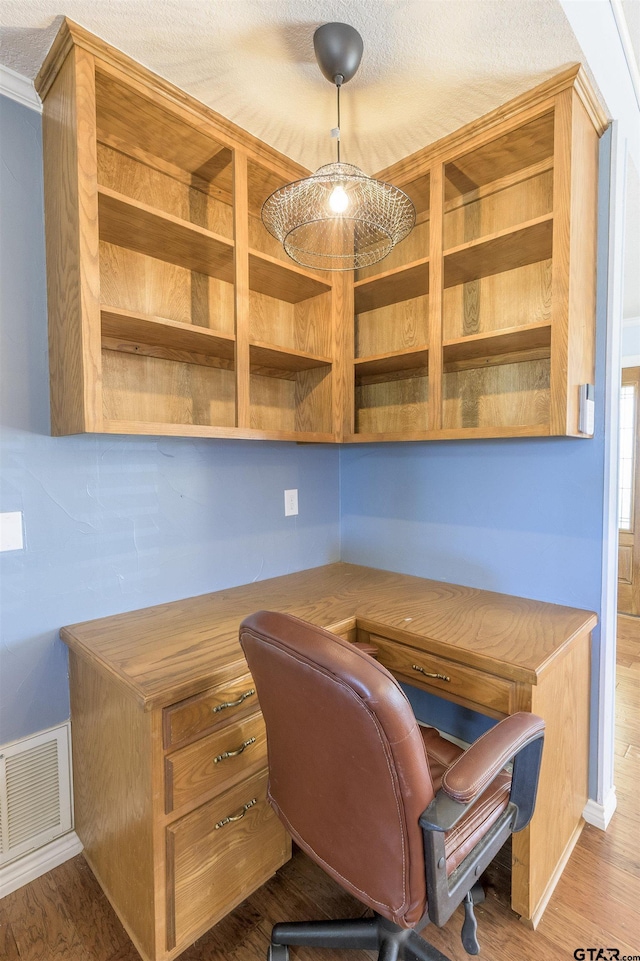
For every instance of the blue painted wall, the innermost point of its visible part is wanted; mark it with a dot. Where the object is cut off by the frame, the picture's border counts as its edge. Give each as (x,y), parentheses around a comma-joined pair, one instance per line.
(515,516)
(114,524)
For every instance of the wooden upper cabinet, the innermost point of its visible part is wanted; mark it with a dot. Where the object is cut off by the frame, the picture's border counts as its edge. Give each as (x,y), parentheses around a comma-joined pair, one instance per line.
(482,322)
(173,311)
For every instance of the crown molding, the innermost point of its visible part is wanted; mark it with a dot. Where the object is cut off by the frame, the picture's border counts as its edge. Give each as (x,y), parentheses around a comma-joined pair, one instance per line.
(114,61)
(19,88)
(537,100)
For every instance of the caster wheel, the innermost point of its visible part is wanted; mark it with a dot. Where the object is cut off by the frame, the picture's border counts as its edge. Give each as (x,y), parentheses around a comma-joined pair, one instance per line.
(278,952)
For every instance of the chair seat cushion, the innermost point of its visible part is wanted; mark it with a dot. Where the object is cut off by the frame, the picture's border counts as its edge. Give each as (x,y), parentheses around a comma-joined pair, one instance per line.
(481,815)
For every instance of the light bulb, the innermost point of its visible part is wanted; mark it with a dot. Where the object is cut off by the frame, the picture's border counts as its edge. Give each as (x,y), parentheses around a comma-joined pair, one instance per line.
(338,201)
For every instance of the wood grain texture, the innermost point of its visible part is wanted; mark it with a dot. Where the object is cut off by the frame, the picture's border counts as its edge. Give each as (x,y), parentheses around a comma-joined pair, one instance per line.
(113,791)
(215,763)
(287,282)
(561,272)
(150,231)
(435,306)
(161,332)
(505,250)
(499,206)
(343,332)
(474,135)
(393,286)
(456,682)
(519,147)
(196,716)
(395,406)
(71,230)
(175,650)
(124,113)
(410,359)
(134,282)
(284,358)
(214,869)
(138,79)
(174,194)
(488,347)
(241,289)
(596,901)
(513,298)
(153,390)
(505,395)
(412,248)
(583,257)
(562,698)
(486,198)
(401,326)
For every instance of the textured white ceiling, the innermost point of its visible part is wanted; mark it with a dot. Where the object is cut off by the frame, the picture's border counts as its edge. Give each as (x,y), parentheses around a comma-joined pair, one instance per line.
(429,66)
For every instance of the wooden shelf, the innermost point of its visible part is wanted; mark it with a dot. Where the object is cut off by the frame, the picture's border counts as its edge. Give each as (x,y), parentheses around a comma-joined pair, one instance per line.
(153,212)
(270,358)
(147,230)
(515,247)
(112,426)
(496,186)
(275,278)
(133,328)
(531,342)
(521,147)
(392,362)
(393,286)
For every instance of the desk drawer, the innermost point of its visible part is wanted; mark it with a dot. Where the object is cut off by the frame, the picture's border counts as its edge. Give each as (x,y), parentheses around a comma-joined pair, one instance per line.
(215,762)
(212,869)
(195,716)
(455,680)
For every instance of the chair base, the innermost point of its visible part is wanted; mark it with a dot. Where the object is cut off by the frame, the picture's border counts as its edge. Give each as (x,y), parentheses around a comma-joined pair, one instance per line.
(392,942)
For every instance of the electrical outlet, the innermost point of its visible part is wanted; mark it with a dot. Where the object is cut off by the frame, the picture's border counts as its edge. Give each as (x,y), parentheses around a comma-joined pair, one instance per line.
(290,503)
(11,531)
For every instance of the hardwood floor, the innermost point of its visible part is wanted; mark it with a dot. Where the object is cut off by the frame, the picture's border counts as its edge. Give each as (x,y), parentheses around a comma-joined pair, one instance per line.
(64,916)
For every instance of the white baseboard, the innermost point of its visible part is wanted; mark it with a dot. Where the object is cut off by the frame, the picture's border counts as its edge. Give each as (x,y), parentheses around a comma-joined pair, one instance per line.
(600,814)
(36,863)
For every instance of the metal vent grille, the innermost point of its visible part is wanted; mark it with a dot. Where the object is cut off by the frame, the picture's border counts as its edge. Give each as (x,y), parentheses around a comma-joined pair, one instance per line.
(35,801)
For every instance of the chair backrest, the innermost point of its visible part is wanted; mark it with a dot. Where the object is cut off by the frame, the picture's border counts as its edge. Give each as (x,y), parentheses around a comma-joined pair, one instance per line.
(348,773)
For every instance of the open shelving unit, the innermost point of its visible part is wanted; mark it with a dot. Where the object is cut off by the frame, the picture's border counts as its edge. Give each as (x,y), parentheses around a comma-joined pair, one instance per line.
(505,277)
(391,314)
(172,310)
(189,319)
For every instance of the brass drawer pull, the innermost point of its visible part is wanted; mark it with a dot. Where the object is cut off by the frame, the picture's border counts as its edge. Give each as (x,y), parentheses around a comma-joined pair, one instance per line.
(441,677)
(225,704)
(237,817)
(239,750)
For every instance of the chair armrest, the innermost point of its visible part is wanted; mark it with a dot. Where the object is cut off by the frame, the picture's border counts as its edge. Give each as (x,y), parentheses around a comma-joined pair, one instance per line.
(518,738)
(474,770)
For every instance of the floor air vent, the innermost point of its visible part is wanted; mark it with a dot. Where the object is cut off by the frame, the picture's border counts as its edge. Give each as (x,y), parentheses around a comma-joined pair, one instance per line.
(35,795)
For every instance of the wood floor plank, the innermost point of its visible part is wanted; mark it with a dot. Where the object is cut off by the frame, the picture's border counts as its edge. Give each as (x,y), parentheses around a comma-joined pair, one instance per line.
(41,925)
(8,946)
(97,926)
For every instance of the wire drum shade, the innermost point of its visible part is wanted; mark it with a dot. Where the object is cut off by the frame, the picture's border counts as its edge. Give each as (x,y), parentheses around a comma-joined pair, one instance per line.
(338,218)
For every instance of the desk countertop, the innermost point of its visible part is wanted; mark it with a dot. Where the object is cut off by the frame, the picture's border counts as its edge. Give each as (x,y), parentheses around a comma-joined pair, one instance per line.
(170,651)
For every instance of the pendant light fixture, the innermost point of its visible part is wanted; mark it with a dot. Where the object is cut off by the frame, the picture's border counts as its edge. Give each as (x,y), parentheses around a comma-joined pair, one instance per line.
(338,218)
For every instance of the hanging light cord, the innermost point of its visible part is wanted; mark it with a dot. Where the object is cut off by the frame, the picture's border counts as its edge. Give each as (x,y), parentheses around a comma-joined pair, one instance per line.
(338,81)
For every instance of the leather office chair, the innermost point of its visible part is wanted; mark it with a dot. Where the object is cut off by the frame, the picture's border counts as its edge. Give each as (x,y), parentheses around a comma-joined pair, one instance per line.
(400,817)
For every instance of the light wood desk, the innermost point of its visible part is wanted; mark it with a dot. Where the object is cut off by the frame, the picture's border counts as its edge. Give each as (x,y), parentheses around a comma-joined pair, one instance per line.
(168,739)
